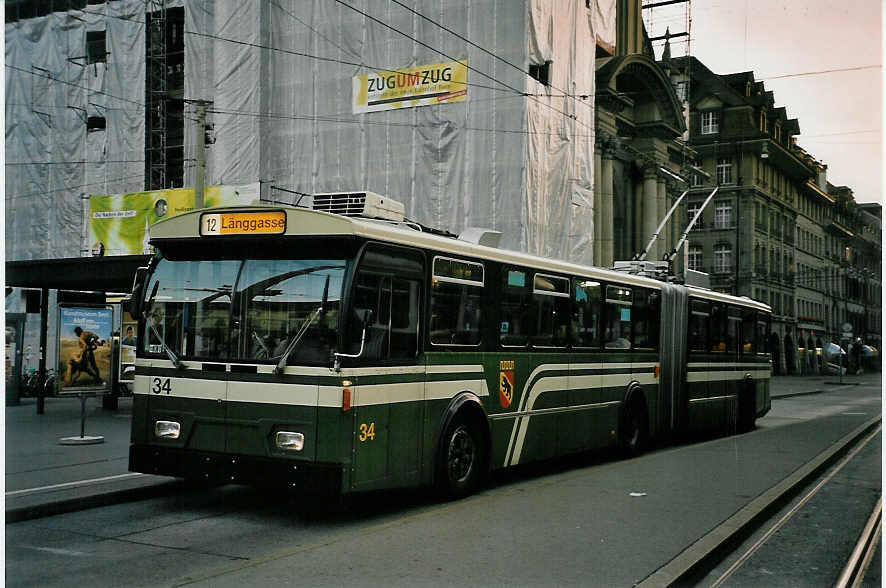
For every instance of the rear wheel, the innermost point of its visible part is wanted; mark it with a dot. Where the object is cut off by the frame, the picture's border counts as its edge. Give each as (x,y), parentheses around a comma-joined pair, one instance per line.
(461,459)
(634,430)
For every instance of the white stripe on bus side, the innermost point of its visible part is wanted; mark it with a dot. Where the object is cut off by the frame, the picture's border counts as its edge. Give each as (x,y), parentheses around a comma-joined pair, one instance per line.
(696,377)
(181,388)
(344,373)
(521,423)
(272,393)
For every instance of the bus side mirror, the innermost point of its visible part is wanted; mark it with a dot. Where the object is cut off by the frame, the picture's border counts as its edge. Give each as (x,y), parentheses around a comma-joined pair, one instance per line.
(138,294)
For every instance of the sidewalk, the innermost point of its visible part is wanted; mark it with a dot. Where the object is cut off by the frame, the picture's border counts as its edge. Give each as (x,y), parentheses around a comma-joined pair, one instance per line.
(44,477)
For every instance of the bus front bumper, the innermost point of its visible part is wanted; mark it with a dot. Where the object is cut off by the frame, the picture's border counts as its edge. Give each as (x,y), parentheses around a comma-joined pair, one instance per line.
(222,468)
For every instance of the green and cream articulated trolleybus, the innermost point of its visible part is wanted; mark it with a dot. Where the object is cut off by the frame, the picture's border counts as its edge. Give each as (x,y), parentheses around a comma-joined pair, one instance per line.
(326,351)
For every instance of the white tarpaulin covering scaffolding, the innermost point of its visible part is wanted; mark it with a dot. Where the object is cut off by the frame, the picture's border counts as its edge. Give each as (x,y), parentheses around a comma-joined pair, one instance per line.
(512,154)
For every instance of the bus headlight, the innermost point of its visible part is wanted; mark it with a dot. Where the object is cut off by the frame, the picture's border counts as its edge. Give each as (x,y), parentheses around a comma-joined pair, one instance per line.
(290,441)
(167,429)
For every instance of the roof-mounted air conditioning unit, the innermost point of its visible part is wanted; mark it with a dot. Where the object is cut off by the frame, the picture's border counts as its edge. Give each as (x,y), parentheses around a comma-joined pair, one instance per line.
(365,204)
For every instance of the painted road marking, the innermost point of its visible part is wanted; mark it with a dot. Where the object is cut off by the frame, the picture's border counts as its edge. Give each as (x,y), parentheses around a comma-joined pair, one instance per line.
(73,484)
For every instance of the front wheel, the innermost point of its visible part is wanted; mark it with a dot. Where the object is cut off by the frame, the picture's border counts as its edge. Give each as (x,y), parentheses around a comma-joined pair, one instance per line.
(461,459)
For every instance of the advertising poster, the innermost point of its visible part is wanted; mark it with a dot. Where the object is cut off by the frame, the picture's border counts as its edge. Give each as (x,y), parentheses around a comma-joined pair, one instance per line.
(128,341)
(84,350)
(118,223)
(408,87)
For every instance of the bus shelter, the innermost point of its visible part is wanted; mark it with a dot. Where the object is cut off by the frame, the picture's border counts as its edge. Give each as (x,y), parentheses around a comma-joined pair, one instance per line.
(79,280)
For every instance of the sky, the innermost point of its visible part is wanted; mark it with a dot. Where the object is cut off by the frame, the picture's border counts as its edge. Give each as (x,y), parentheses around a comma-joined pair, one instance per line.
(840,112)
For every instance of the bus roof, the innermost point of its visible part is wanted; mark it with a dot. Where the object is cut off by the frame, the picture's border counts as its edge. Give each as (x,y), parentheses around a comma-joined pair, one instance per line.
(307,222)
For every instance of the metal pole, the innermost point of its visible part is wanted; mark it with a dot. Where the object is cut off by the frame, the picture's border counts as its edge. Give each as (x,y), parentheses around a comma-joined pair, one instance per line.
(201,155)
(44,319)
(82,415)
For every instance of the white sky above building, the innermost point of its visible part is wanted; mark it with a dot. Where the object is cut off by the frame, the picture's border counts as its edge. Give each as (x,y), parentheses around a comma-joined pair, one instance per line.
(822,60)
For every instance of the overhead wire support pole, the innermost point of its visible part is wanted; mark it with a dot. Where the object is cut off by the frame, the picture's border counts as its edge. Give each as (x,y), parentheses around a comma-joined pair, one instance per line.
(200,150)
(685,235)
(664,221)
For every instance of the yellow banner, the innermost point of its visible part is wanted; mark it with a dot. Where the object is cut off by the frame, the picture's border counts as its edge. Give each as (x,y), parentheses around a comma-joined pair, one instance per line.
(424,85)
(118,223)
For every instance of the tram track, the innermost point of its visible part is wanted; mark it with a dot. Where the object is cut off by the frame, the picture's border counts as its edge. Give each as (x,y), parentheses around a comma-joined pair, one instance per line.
(865,547)
(691,565)
(858,563)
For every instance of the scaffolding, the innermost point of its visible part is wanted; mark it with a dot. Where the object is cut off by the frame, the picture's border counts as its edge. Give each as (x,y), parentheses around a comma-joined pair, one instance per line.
(157,95)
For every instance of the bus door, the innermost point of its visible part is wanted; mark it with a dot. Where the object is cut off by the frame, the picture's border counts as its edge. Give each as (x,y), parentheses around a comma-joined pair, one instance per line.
(697,364)
(389,392)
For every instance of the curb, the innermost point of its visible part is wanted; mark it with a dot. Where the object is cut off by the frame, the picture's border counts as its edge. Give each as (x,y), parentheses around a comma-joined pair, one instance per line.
(52,508)
(709,549)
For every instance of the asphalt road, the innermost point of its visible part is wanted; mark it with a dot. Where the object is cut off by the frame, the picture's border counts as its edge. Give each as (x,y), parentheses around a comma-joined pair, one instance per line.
(589,522)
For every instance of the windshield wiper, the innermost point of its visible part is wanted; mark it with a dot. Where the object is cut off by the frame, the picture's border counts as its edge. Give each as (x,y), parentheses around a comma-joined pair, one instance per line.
(150,320)
(281,365)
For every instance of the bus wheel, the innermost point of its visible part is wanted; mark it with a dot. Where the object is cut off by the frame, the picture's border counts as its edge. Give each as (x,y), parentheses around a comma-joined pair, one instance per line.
(460,461)
(634,430)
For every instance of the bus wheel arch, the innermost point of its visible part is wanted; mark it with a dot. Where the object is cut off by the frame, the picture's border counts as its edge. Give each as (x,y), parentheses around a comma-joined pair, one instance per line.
(462,447)
(633,422)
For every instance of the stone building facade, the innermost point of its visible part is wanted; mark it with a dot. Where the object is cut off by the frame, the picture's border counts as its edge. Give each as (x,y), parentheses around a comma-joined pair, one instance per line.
(776,230)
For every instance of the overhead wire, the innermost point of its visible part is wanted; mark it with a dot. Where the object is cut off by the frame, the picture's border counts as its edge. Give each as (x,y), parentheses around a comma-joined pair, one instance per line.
(55,79)
(73,188)
(483,49)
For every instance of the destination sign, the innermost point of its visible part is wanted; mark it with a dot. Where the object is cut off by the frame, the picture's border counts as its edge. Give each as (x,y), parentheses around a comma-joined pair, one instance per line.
(243,223)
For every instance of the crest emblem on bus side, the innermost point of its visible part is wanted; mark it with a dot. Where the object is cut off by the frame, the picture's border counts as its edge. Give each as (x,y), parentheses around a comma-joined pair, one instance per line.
(505,388)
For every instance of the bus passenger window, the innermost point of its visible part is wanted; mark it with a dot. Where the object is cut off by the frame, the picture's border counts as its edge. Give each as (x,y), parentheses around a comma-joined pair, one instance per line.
(387,300)
(372,299)
(698,326)
(456,290)
(762,334)
(732,329)
(405,307)
(748,320)
(550,307)
(586,320)
(514,316)
(617,334)
(718,328)
(647,318)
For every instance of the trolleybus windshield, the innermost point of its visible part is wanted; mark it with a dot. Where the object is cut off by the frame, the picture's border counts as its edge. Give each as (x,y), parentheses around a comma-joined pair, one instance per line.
(249,310)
